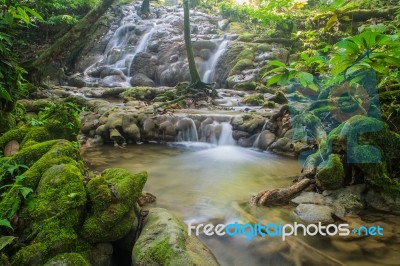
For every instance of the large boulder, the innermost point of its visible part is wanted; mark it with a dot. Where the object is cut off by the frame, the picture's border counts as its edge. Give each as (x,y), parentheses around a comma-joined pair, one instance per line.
(330,173)
(113,195)
(164,240)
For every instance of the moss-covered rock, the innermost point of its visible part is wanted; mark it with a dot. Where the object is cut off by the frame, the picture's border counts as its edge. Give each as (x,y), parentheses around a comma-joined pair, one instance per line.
(67,259)
(279,97)
(165,241)
(15,134)
(241,65)
(7,121)
(245,86)
(269,104)
(330,173)
(246,37)
(55,216)
(249,123)
(113,196)
(254,100)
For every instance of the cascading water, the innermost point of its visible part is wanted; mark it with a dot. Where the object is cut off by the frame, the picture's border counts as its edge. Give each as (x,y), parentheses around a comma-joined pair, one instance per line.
(256,142)
(226,135)
(211,64)
(188,131)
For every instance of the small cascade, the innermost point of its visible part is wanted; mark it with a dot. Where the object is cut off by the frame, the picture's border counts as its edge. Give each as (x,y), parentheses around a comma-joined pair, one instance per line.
(226,135)
(119,54)
(187,130)
(211,64)
(142,47)
(256,142)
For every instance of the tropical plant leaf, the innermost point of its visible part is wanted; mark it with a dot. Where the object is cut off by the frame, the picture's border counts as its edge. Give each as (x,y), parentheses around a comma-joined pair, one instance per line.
(6,240)
(5,223)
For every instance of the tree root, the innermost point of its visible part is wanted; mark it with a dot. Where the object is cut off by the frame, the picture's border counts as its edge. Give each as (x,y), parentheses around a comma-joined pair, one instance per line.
(280,196)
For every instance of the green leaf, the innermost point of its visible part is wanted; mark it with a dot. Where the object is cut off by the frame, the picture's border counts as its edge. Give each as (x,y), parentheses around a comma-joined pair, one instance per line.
(33,13)
(274,79)
(331,22)
(5,223)
(276,63)
(25,191)
(6,240)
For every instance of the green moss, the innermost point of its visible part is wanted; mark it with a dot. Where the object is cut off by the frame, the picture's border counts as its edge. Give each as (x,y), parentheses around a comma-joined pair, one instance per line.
(241,65)
(67,259)
(140,93)
(10,203)
(245,86)
(279,97)
(254,100)
(236,27)
(63,152)
(36,134)
(269,104)
(263,47)
(32,255)
(246,37)
(29,155)
(7,121)
(15,134)
(330,173)
(112,196)
(35,105)
(264,89)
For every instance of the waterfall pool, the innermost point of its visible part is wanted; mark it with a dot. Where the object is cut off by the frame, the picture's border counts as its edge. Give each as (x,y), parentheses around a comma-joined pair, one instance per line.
(200,182)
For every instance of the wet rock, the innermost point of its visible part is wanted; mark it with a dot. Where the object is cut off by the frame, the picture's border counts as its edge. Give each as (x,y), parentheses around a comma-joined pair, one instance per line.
(96,141)
(309,198)
(77,80)
(238,134)
(141,80)
(111,72)
(248,123)
(266,139)
(144,63)
(133,132)
(68,259)
(283,144)
(372,247)
(165,240)
(313,213)
(11,148)
(349,198)
(383,202)
(101,254)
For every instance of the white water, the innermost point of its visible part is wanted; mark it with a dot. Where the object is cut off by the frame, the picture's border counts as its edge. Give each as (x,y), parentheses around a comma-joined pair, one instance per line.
(226,139)
(211,64)
(189,133)
(256,142)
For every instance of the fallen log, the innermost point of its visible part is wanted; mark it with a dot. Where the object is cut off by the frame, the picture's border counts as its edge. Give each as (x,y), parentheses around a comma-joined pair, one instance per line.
(280,196)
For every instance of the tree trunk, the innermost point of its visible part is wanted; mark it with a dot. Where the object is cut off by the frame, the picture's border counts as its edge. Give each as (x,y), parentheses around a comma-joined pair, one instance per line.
(194,74)
(145,8)
(66,45)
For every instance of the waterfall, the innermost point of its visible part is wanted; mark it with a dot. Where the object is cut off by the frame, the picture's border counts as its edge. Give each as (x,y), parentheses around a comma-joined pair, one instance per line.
(211,64)
(142,47)
(256,142)
(188,131)
(118,55)
(226,135)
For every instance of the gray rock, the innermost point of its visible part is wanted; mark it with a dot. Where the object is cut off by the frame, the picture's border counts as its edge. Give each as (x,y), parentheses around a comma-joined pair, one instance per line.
(309,197)
(266,139)
(144,63)
(141,80)
(349,198)
(164,240)
(382,202)
(312,213)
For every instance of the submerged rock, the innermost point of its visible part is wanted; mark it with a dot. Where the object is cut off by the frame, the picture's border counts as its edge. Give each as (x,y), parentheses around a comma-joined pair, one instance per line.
(313,213)
(164,240)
